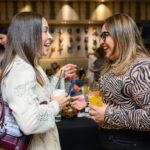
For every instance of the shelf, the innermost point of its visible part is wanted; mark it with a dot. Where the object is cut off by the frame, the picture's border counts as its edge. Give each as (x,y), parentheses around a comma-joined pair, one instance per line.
(74,22)
(103,1)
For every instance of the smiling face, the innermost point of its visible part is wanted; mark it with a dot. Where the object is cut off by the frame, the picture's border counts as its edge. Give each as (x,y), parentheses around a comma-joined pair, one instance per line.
(46,38)
(109,46)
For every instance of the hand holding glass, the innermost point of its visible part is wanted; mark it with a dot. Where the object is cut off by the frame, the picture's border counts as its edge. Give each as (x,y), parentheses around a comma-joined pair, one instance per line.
(60,96)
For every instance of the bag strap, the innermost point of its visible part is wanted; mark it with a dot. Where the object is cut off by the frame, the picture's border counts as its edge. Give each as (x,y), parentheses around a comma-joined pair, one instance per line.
(2,102)
(2,117)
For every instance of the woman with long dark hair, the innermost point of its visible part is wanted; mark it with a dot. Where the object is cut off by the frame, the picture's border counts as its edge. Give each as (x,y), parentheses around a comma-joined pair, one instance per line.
(25,85)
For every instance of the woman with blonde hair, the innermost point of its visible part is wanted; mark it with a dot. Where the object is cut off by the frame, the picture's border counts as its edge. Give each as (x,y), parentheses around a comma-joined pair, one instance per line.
(125,86)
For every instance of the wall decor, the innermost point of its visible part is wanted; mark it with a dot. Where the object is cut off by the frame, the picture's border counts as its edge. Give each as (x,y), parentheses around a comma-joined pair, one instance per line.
(69,30)
(70,46)
(78,30)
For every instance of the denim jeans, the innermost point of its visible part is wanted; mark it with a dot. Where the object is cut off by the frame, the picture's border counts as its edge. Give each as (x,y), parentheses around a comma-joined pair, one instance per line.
(111,139)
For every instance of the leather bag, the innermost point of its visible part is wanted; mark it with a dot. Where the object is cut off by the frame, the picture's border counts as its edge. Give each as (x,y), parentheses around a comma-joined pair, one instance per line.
(11,137)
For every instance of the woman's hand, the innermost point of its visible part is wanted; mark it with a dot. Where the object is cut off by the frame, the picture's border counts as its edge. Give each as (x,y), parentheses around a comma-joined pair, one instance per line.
(79,102)
(61,99)
(97,113)
(67,70)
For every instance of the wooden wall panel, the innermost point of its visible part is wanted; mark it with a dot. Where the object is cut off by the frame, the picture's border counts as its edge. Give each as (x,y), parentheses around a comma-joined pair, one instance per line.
(87,11)
(20,6)
(39,7)
(121,7)
(58,11)
(94,15)
(110,6)
(92,9)
(98,11)
(82,10)
(3,11)
(126,8)
(116,7)
(10,10)
(78,10)
(133,8)
(148,11)
(143,13)
(47,10)
(52,11)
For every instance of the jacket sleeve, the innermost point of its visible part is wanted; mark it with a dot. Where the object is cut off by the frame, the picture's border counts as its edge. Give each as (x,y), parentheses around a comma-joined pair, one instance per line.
(139,88)
(22,98)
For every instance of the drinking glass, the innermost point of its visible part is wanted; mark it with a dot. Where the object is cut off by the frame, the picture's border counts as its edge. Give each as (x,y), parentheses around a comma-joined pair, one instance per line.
(58,92)
(95,96)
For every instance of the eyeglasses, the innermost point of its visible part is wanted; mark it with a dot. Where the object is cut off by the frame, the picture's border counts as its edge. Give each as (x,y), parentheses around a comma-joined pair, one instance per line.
(103,35)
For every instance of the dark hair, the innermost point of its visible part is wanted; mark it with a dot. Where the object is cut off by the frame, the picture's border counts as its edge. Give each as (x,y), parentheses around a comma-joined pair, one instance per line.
(146,34)
(3,29)
(2,48)
(24,39)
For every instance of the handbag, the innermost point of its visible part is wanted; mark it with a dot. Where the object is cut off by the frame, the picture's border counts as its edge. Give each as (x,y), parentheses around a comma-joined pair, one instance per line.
(11,137)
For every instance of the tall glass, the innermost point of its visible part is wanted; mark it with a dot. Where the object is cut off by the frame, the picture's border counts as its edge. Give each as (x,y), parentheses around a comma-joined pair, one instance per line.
(58,92)
(95,96)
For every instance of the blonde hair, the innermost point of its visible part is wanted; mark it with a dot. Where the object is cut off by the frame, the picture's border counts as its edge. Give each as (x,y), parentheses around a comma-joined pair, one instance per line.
(127,37)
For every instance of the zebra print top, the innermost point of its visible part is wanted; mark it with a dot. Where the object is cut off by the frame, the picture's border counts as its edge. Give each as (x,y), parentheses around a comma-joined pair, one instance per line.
(128,97)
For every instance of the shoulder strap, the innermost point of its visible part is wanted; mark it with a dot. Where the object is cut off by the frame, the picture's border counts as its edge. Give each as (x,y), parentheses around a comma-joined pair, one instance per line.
(2,114)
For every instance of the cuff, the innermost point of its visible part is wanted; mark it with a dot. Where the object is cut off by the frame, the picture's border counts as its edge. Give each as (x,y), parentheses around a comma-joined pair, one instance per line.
(56,107)
(108,114)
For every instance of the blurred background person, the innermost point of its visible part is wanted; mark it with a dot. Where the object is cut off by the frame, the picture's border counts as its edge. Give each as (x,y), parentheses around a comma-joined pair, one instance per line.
(146,34)
(2,49)
(3,35)
(3,41)
(90,74)
(98,63)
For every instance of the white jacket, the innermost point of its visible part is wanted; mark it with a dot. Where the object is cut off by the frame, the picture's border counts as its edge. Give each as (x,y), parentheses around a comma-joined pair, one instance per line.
(24,95)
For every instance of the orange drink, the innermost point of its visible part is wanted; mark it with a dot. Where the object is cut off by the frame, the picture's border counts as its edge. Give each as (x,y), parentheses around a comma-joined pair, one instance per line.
(95,98)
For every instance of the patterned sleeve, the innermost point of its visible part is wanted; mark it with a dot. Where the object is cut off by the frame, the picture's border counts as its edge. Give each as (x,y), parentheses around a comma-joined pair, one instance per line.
(139,88)
(23,100)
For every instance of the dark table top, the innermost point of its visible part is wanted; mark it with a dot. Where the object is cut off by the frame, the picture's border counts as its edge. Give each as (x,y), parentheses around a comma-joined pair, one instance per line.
(78,134)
